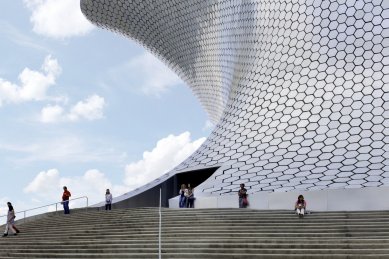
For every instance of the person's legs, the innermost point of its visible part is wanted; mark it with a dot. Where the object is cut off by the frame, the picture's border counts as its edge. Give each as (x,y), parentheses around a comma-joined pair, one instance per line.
(190,203)
(240,202)
(66,207)
(6,230)
(183,202)
(15,228)
(182,199)
(245,202)
(9,227)
(106,206)
(300,212)
(109,206)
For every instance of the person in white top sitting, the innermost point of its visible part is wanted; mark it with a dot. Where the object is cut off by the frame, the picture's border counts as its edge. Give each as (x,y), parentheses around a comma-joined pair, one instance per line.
(300,206)
(108,200)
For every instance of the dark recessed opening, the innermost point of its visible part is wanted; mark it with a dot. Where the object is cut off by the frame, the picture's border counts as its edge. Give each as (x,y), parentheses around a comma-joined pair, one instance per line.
(170,188)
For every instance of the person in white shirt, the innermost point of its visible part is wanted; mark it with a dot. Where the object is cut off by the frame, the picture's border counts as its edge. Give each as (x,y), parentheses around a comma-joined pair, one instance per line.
(10,225)
(182,199)
(300,206)
(108,200)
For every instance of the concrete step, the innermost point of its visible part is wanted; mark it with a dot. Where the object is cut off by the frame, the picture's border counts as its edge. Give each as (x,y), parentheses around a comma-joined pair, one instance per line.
(366,251)
(214,233)
(220,225)
(193,245)
(191,255)
(210,241)
(86,236)
(290,222)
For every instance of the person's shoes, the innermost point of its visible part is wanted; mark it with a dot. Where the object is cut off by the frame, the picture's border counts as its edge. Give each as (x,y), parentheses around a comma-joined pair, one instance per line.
(301,216)
(17,231)
(15,234)
(4,235)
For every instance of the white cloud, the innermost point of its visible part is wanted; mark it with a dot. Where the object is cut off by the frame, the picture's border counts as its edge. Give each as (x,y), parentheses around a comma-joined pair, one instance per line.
(33,84)
(146,73)
(167,154)
(51,113)
(89,109)
(58,18)
(47,185)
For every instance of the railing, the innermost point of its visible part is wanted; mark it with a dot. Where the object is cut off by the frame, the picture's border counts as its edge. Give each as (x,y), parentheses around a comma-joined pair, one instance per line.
(160,224)
(48,205)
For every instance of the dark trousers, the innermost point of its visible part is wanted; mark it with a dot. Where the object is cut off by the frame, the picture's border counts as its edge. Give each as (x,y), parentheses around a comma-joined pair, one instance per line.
(190,202)
(108,206)
(66,207)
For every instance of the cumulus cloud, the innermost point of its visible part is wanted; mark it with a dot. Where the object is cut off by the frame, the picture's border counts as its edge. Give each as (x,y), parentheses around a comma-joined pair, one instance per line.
(45,183)
(90,109)
(47,186)
(146,73)
(167,154)
(33,84)
(58,18)
(51,113)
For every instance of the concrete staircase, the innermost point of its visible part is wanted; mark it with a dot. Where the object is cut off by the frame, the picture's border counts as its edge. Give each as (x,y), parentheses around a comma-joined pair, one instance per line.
(202,233)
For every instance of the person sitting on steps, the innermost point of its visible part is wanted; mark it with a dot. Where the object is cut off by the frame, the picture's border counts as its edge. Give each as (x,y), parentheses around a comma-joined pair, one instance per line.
(300,206)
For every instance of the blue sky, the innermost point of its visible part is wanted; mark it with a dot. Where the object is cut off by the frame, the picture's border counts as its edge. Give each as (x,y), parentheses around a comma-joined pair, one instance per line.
(84,107)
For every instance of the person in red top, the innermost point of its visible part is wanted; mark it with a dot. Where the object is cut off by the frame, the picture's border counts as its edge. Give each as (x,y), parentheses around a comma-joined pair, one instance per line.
(65,200)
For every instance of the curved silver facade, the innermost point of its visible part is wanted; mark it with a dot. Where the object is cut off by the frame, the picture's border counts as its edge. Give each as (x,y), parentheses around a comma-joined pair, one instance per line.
(298,89)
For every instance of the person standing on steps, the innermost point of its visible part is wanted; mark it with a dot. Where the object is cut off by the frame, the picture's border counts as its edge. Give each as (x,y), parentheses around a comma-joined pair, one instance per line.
(10,225)
(300,206)
(190,197)
(242,194)
(65,200)
(182,199)
(108,200)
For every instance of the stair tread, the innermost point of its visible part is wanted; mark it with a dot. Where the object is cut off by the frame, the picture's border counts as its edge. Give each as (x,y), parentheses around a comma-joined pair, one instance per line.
(214,233)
